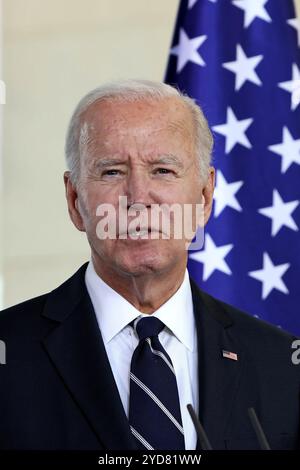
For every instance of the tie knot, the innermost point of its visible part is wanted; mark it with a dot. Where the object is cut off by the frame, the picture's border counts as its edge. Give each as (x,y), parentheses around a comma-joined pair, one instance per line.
(147,327)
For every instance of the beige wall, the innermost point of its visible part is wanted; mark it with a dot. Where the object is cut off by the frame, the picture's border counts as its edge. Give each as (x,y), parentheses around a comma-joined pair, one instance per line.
(54,51)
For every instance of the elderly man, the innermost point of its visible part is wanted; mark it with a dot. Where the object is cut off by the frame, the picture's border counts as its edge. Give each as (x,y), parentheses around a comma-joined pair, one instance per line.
(111,358)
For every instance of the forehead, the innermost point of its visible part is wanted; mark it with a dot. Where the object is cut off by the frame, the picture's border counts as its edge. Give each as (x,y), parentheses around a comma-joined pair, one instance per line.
(167,114)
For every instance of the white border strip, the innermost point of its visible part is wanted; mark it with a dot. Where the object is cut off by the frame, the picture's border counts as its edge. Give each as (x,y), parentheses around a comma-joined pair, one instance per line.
(2,102)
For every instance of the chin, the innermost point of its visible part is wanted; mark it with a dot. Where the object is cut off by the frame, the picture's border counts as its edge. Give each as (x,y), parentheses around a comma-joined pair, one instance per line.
(136,259)
(144,264)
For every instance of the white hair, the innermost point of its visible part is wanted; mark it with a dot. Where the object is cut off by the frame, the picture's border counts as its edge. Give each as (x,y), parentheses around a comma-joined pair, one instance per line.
(132,91)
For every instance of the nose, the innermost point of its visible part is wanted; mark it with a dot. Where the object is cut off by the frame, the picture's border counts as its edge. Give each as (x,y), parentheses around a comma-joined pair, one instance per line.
(137,189)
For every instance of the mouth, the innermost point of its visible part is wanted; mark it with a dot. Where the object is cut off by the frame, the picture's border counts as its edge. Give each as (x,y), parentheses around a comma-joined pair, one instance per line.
(138,232)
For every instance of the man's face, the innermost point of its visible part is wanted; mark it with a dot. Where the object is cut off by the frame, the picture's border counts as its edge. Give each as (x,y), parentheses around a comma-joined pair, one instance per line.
(144,151)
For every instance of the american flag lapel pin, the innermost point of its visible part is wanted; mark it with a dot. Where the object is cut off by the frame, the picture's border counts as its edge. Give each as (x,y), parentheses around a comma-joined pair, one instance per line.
(229,355)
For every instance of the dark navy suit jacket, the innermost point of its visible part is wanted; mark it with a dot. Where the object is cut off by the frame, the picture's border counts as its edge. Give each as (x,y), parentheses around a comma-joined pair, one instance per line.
(57,389)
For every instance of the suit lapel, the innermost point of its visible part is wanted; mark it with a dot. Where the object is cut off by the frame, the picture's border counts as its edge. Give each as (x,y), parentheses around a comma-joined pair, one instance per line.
(219,376)
(77,351)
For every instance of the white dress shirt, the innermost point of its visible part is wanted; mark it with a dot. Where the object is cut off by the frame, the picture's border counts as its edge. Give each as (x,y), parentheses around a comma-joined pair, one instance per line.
(179,339)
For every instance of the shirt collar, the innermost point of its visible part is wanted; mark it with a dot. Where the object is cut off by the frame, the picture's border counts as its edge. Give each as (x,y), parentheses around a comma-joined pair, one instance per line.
(114,312)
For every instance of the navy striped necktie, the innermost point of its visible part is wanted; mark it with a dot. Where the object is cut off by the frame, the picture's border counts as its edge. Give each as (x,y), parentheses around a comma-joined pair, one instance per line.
(154,410)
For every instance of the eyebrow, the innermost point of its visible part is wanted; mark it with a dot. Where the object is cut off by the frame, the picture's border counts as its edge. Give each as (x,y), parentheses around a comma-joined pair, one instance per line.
(106,162)
(163,160)
(169,160)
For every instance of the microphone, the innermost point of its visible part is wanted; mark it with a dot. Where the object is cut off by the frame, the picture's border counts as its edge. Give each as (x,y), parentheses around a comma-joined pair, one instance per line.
(203,439)
(261,437)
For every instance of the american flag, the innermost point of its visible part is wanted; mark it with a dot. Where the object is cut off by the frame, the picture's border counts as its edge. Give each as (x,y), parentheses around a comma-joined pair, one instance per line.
(240,59)
(229,355)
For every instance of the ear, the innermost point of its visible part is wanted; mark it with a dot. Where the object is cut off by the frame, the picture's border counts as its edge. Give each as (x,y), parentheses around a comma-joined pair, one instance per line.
(72,201)
(207,194)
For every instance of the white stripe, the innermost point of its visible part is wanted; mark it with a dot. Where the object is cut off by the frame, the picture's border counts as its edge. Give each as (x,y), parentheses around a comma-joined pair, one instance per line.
(159,353)
(157,401)
(136,322)
(141,439)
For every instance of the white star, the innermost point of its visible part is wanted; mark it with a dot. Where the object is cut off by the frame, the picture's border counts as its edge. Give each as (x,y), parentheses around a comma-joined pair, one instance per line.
(234,131)
(280,213)
(253,9)
(293,87)
(270,276)
(186,50)
(289,150)
(224,194)
(212,257)
(295,23)
(191,3)
(244,68)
